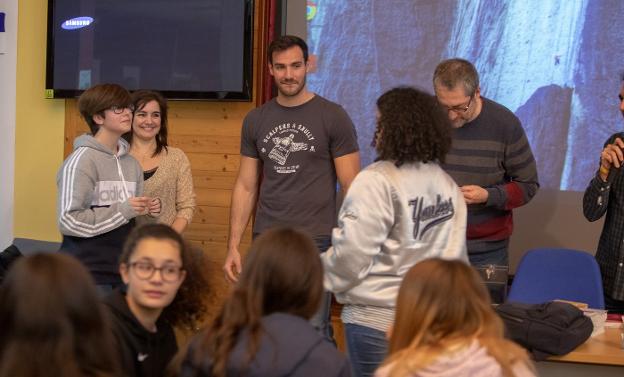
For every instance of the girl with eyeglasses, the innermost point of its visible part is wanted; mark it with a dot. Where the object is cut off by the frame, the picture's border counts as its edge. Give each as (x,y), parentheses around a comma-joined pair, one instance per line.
(165,288)
(100,186)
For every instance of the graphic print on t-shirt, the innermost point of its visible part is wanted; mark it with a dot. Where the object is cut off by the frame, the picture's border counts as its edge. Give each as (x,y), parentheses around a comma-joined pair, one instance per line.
(283,147)
(283,141)
(106,193)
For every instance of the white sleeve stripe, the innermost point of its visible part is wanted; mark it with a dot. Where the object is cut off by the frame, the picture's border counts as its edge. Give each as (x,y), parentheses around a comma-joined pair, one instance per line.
(66,177)
(67,197)
(68,193)
(91,232)
(73,223)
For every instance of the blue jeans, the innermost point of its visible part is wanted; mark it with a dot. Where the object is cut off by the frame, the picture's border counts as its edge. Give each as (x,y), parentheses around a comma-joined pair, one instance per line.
(497,257)
(366,348)
(321,320)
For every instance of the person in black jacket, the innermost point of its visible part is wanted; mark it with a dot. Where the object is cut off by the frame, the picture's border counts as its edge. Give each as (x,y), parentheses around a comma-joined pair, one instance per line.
(164,288)
(263,328)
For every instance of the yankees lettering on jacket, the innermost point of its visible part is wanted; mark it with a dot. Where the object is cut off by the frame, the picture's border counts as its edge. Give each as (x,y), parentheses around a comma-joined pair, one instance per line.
(426,217)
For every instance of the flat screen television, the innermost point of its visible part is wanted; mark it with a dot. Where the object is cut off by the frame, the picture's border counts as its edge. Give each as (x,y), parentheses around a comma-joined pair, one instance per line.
(186,49)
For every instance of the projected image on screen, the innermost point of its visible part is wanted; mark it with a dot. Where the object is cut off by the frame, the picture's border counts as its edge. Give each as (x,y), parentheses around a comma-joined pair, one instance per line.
(556,64)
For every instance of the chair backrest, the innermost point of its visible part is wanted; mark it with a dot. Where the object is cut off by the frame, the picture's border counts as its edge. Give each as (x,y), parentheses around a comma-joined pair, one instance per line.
(548,274)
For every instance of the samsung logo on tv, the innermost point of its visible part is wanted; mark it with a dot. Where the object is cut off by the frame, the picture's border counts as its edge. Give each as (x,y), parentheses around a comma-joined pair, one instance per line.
(77,23)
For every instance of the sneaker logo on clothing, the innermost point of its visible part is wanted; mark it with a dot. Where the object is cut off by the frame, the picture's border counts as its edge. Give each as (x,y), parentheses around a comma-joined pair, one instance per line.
(426,217)
(142,356)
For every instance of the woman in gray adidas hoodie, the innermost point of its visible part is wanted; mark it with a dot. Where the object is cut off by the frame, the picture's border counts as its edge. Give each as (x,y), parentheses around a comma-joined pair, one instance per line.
(100,185)
(398,211)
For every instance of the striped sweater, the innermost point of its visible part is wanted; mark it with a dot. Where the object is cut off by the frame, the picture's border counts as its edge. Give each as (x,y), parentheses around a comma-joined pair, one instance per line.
(492,151)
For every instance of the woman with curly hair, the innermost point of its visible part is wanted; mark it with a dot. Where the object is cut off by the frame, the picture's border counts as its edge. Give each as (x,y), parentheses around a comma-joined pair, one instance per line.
(445,326)
(51,321)
(165,287)
(263,328)
(401,209)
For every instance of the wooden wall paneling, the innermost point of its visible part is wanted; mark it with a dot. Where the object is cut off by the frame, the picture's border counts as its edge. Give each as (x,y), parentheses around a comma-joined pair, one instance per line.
(214,179)
(201,143)
(215,161)
(74,126)
(209,133)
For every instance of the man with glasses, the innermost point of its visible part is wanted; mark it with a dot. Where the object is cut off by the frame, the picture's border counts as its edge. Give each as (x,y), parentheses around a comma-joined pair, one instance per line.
(100,186)
(490,159)
(603,196)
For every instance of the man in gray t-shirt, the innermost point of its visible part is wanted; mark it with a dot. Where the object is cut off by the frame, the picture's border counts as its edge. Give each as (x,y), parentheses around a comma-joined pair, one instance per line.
(297,146)
(303,144)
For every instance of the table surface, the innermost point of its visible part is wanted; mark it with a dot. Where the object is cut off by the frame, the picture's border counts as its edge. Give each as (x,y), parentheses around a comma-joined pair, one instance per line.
(600,349)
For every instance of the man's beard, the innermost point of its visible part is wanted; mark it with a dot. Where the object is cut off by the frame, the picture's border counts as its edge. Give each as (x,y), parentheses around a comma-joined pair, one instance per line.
(293,93)
(458,123)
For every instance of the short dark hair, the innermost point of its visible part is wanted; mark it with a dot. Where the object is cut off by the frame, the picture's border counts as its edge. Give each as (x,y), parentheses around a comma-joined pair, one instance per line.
(188,308)
(284,43)
(449,73)
(411,127)
(98,98)
(140,98)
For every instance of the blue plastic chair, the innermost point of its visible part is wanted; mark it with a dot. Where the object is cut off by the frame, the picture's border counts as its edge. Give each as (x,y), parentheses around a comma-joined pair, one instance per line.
(547,274)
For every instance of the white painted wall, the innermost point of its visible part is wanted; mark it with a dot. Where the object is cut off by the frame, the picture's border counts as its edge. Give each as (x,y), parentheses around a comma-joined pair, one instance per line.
(8,69)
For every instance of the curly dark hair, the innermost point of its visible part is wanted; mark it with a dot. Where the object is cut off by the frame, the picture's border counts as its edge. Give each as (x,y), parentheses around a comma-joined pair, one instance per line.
(412,127)
(188,308)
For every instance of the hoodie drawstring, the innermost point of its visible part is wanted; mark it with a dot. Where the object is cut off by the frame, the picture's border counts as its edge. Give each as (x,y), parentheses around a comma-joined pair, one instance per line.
(126,192)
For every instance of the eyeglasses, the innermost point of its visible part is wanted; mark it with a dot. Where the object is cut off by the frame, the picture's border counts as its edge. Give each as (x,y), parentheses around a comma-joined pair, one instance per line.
(462,108)
(169,273)
(120,109)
